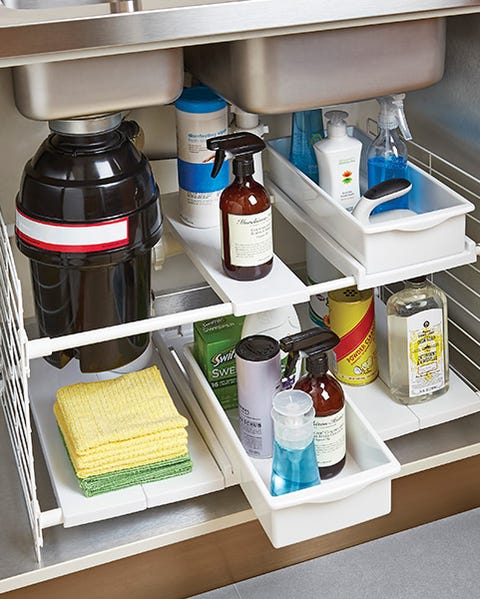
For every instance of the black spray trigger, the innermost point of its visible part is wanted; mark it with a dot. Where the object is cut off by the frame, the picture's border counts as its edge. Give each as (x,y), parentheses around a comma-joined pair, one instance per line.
(217,165)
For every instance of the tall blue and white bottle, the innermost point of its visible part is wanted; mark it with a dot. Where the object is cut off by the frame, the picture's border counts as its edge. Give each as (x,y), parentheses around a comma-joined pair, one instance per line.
(200,115)
(387,154)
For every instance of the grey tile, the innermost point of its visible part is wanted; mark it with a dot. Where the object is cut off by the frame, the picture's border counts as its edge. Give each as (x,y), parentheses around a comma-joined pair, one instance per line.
(228,592)
(434,561)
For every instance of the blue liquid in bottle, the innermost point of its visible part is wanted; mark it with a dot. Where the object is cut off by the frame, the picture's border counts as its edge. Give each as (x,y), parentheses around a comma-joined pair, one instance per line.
(307,129)
(381,168)
(293,469)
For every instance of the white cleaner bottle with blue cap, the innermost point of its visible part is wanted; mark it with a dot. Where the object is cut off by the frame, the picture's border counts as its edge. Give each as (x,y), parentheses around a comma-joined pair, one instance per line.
(200,115)
(387,154)
(338,158)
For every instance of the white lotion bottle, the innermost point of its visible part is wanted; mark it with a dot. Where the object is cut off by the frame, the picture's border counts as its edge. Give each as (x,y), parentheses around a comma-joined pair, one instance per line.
(338,158)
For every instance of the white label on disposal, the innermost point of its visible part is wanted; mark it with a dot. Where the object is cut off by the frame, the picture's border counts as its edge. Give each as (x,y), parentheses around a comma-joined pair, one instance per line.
(67,237)
(426,371)
(250,238)
(329,438)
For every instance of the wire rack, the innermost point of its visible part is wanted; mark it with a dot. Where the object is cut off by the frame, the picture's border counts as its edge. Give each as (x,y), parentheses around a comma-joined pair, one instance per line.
(14,372)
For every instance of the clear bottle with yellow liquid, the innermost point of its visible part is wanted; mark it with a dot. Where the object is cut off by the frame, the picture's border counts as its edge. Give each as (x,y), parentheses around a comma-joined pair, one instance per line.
(417,342)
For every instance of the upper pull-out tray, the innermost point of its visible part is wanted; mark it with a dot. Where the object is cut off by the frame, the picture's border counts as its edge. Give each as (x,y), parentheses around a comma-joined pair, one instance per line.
(279,288)
(429,239)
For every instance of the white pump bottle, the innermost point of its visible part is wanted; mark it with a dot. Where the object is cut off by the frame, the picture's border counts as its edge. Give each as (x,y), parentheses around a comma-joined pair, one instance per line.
(338,158)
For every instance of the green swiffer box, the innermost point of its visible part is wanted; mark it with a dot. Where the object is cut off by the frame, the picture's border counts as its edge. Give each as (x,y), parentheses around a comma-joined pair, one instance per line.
(214,350)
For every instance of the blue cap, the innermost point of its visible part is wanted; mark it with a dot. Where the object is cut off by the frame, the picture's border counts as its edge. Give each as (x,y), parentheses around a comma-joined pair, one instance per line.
(199,99)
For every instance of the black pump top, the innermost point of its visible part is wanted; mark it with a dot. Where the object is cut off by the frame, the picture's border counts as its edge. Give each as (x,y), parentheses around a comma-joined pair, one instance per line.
(239,146)
(315,342)
(316,362)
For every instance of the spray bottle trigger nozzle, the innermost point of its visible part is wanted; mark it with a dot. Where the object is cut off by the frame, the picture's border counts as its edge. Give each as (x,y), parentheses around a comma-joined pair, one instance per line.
(291,363)
(397,101)
(217,165)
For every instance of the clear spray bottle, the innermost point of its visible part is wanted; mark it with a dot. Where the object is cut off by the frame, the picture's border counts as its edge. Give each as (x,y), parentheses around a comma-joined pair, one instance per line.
(387,154)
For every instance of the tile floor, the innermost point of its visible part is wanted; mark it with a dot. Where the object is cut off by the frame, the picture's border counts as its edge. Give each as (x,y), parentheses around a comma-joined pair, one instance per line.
(440,560)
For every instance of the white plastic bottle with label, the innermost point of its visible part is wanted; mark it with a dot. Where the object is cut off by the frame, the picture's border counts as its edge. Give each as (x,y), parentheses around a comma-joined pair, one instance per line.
(319,270)
(276,323)
(257,359)
(338,158)
(417,342)
(247,122)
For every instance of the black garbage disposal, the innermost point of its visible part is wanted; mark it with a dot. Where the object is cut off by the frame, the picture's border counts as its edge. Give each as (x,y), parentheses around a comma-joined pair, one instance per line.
(88,215)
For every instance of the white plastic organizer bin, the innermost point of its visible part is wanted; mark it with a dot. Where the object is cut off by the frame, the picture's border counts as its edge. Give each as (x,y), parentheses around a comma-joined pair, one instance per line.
(362,490)
(436,230)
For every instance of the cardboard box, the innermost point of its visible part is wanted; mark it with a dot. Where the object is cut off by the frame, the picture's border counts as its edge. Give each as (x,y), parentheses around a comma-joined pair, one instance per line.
(214,350)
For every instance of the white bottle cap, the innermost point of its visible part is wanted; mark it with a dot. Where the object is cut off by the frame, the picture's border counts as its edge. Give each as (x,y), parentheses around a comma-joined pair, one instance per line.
(292,414)
(336,125)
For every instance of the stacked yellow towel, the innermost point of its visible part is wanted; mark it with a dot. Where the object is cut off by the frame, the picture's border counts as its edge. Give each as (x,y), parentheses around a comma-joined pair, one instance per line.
(122,424)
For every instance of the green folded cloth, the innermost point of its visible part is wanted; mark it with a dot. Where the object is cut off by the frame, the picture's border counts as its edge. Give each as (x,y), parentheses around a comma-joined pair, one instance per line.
(119,479)
(128,477)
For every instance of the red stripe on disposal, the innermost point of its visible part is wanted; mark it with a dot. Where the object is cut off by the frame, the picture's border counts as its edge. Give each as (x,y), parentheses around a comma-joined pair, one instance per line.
(354,338)
(56,247)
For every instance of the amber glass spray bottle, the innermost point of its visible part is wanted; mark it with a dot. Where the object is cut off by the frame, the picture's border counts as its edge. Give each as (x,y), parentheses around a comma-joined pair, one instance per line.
(327,395)
(246,213)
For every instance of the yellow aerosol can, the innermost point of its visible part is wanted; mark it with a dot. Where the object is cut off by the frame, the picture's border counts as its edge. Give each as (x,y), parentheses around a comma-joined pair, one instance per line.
(352,318)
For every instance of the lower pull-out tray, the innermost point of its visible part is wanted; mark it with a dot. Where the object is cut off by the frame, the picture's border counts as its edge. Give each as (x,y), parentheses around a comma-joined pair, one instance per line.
(362,491)
(77,509)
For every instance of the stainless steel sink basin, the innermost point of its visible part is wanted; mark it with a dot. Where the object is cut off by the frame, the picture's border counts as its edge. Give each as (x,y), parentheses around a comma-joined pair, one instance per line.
(68,88)
(115,5)
(307,70)
(35,4)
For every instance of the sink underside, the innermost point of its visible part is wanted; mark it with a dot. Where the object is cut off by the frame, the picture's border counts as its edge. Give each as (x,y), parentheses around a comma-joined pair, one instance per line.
(116,5)
(86,86)
(36,4)
(287,73)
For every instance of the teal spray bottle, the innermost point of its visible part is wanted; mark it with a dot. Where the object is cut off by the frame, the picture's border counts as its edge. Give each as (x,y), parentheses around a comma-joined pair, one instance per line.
(387,154)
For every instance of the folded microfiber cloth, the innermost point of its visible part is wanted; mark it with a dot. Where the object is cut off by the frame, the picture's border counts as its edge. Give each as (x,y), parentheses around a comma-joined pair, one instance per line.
(128,454)
(103,483)
(120,423)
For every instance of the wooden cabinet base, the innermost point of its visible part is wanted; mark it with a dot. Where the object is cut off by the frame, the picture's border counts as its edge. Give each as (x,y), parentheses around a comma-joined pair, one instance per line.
(234,554)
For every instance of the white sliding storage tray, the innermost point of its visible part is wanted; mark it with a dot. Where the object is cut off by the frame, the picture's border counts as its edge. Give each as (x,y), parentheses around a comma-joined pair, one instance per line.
(435,231)
(77,509)
(362,491)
